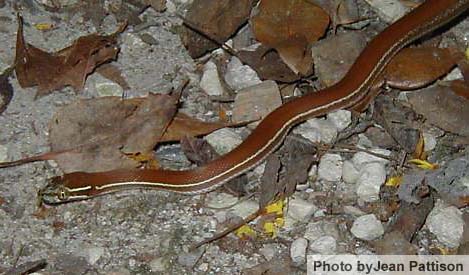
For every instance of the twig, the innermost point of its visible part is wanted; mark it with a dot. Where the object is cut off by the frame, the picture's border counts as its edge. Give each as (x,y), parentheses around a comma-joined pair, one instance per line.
(228,230)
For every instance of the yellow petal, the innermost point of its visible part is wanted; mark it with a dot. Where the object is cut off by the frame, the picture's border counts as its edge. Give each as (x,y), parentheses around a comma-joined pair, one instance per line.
(394,181)
(245,231)
(424,164)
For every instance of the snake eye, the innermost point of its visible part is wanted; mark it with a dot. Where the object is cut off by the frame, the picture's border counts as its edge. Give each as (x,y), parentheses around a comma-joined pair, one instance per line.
(62,195)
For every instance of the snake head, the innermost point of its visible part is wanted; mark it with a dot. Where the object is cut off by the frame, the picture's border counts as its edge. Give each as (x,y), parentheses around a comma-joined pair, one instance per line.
(55,192)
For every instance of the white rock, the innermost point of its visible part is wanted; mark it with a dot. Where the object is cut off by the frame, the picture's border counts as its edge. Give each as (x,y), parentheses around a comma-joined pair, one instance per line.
(360,158)
(372,176)
(315,230)
(324,245)
(3,153)
(220,200)
(158,264)
(364,141)
(326,129)
(340,118)
(453,75)
(245,208)
(353,211)
(268,251)
(300,210)
(102,86)
(224,140)
(256,101)
(447,224)
(429,141)
(210,81)
(239,76)
(367,227)
(349,172)
(389,10)
(298,251)
(330,167)
(313,171)
(93,254)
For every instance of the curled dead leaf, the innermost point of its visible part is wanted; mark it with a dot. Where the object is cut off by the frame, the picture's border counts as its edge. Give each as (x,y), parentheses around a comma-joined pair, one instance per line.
(290,27)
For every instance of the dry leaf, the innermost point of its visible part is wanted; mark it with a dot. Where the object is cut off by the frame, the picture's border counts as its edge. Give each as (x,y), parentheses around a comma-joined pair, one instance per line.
(268,64)
(443,108)
(105,129)
(414,68)
(397,121)
(67,67)
(183,125)
(217,19)
(460,88)
(114,74)
(290,27)
(198,151)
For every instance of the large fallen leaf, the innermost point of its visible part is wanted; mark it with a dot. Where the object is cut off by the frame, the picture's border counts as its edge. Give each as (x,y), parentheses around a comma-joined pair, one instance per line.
(208,20)
(104,130)
(67,67)
(414,68)
(290,27)
(443,108)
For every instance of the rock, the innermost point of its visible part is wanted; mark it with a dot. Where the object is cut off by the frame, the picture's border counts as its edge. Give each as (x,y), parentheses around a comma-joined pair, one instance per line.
(158,264)
(93,254)
(317,130)
(256,102)
(429,141)
(298,251)
(3,153)
(447,224)
(389,10)
(340,118)
(245,208)
(324,245)
(300,210)
(210,81)
(369,181)
(109,88)
(268,251)
(315,230)
(367,227)
(349,172)
(224,140)
(190,259)
(220,200)
(353,211)
(360,158)
(239,76)
(330,167)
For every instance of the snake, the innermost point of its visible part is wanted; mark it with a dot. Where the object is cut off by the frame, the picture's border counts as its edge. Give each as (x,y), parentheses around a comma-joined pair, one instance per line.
(353,92)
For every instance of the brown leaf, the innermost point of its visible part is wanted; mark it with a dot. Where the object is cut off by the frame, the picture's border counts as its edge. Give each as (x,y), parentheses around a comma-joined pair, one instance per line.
(397,121)
(268,64)
(443,108)
(269,181)
(198,151)
(183,125)
(67,67)
(290,27)
(113,73)
(217,19)
(103,130)
(460,88)
(414,68)
(6,91)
